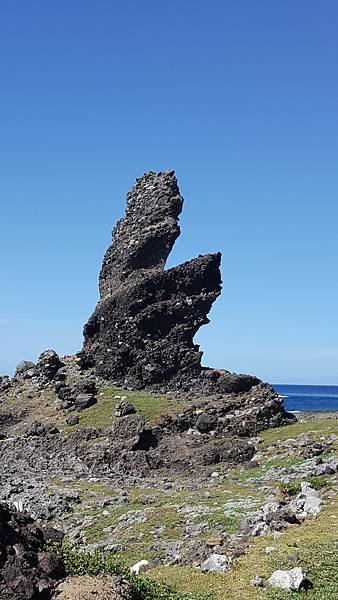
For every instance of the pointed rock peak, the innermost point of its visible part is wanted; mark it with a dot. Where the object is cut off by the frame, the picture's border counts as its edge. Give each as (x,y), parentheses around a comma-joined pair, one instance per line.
(141,332)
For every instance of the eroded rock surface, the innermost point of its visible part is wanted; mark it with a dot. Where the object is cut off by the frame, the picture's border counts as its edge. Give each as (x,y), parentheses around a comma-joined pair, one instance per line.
(27,569)
(141,332)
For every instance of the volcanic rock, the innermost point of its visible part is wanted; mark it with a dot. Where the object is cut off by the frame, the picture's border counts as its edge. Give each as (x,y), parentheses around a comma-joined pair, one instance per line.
(25,369)
(83,401)
(141,332)
(124,408)
(27,571)
(38,429)
(48,364)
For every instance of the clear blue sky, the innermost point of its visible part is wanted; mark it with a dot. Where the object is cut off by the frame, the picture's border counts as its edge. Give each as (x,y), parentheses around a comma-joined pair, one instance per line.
(241,98)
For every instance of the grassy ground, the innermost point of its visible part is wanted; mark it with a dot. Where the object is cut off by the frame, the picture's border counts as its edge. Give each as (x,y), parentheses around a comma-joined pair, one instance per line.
(315,429)
(151,406)
(315,542)
(33,407)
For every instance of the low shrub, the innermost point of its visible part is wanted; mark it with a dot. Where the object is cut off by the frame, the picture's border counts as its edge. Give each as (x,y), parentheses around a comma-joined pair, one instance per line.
(290,489)
(293,488)
(142,588)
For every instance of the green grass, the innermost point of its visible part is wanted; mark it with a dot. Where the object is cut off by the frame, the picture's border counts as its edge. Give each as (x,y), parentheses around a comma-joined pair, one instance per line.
(315,429)
(142,588)
(101,414)
(315,543)
(94,488)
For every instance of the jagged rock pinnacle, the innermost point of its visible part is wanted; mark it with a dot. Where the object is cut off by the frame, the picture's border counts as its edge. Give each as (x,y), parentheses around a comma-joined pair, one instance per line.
(141,332)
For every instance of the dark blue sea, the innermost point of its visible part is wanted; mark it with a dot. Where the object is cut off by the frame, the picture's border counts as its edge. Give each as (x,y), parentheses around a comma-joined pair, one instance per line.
(308,397)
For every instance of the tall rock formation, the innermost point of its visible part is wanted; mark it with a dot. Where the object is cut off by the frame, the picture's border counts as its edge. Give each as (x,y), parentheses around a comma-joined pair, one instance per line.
(141,332)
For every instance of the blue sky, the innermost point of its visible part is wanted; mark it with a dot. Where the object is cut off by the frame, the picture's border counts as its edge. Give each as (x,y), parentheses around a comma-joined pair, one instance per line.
(239,97)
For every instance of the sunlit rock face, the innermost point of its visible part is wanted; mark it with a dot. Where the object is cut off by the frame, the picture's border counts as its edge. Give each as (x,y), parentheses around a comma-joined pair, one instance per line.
(141,332)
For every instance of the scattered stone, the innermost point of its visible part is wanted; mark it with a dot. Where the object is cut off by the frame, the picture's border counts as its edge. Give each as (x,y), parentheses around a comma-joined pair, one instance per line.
(256,581)
(140,567)
(37,429)
(206,422)
(288,580)
(83,401)
(73,420)
(214,541)
(124,408)
(216,563)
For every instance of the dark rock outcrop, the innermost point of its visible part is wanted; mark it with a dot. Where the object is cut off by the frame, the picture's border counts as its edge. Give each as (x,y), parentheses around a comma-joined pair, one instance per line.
(38,429)
(48,364)
(27,569)
(141,332)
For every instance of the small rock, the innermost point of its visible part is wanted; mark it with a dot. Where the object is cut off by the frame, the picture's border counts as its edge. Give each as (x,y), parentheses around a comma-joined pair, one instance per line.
(140,566)
(287,580)
(214,541)
(124,408)
(206,422)
(25,370)
(294,557)
(83,401)
(216,563)
(256,582)
(73,420)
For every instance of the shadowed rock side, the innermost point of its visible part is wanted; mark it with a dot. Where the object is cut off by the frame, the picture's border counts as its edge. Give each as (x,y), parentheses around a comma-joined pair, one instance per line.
(28,570)
(141,332)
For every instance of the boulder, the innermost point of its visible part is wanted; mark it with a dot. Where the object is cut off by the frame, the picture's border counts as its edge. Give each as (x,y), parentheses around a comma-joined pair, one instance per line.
(25,370)
(127,431)
(140,567)
(124,408)
(287,580)
(206,422)
(26,568)
(76,389)
(48,364)
(307,503)
(72,420)
(83,401)
(216,563)
(38,429)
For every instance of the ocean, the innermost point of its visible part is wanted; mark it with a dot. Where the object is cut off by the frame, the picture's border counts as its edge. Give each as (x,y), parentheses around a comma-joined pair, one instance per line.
(308,397)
